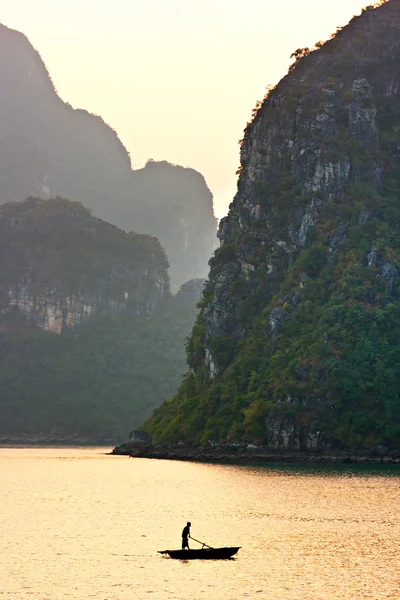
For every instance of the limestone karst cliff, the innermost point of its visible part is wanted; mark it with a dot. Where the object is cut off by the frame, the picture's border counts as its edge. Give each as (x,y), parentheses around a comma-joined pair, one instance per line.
(91,340)
(47,148)
(179,212)
(59,265)
(190,292)
(297,343)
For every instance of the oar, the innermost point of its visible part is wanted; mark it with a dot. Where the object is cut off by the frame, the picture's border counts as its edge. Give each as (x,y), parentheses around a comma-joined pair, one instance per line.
(204,544)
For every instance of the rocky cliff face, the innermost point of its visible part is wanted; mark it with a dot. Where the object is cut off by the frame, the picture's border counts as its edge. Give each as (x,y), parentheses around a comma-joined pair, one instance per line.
(179,212)
(313,137)
(91,340)
(290,349)
(190,293)
(60,265)
(47,148)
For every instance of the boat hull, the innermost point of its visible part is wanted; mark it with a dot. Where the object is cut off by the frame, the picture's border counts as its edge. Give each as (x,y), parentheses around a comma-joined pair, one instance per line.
(202,554)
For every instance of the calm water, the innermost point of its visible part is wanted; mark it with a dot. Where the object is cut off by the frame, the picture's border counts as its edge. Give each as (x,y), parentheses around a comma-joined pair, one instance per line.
(78,524)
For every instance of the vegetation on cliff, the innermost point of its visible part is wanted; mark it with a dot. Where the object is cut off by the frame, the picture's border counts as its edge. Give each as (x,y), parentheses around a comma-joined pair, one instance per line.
(95,381)
(91,339)
(297,343)
(57,243)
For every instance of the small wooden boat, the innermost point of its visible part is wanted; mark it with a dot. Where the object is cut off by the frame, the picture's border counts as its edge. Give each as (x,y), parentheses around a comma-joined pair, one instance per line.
(202,553)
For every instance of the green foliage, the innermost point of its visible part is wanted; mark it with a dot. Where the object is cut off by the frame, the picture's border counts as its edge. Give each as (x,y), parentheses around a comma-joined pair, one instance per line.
(298,55)
(225,254)
(97,380)
(337,356)
(312,260)
(223,350)
(106,375)
(58,243)
(320,353)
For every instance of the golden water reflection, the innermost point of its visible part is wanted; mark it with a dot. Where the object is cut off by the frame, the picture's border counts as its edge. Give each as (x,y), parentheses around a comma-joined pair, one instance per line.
(78,524)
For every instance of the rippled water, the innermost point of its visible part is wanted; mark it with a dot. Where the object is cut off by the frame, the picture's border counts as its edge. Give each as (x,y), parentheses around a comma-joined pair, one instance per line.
(78,524)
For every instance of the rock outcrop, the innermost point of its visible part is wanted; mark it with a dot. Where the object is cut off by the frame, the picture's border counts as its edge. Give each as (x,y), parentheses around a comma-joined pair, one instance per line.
(296,343)
(91,339)
(300,153)
(174,204)
(250,453)
(60,265)
(190,293)
(47,148)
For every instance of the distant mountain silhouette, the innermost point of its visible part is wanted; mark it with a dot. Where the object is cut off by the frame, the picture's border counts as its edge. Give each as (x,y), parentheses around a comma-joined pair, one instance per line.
(47,148)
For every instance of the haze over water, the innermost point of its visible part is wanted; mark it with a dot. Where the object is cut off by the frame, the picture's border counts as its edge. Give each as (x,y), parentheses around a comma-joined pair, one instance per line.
(78,524)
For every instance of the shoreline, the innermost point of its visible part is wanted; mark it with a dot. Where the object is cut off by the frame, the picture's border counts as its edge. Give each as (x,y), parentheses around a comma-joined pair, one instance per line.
(230,455)
(28,442)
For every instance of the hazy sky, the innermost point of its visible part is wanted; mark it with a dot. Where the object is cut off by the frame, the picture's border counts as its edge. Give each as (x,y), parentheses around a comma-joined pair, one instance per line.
(177,79)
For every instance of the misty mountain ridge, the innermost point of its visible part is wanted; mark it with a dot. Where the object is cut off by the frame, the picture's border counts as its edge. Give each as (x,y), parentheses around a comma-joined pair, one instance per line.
(48,148)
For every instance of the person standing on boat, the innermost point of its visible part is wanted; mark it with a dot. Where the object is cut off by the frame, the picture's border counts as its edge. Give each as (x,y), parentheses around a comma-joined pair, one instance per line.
(185,536)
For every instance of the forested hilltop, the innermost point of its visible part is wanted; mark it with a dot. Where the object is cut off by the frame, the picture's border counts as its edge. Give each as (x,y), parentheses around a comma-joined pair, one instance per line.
(47,148)
(91,340)
(298,341)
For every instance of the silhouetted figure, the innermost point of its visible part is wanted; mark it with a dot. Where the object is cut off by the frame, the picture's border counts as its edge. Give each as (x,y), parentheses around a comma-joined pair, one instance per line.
(185,536)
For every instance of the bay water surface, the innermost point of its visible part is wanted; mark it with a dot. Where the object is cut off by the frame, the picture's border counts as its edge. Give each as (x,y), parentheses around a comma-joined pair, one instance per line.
(78,524)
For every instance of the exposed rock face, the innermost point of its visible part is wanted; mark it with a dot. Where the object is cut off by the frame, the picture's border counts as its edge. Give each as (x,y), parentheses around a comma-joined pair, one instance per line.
(47,149)
(190,292)
(296,345)
(247,453)
(301,142)
(53,312)
(66,287)
(174,204)
(391,275)
(91,339)
(48,311)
